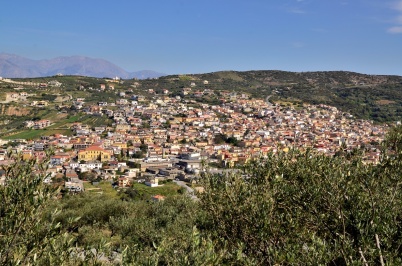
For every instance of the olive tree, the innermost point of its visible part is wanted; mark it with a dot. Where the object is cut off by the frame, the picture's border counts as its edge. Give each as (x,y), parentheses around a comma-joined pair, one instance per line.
(308,208)
(28,233)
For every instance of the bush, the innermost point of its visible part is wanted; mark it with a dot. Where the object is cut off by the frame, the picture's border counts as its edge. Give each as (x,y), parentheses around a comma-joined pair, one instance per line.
(28,233)
(303,208)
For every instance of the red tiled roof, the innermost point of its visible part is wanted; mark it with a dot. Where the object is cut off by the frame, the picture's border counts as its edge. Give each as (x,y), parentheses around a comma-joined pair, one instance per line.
(94,148)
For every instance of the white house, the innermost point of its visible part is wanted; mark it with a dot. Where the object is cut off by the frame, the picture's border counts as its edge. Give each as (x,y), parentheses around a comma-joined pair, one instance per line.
(91,165)
(59,159)
(74,185)
(152,182)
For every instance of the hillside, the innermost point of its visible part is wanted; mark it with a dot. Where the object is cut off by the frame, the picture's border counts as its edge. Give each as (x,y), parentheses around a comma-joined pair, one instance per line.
(283,184)
(376,97)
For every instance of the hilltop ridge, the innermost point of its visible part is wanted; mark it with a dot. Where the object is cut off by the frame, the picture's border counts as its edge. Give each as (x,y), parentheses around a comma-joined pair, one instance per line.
(375,97)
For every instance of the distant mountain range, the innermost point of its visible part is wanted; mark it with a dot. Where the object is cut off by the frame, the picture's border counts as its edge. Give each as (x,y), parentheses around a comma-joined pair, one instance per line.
(14,66)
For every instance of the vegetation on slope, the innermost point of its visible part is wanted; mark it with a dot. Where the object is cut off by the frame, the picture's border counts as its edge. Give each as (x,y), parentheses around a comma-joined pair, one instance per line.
(365,96)
(296,208)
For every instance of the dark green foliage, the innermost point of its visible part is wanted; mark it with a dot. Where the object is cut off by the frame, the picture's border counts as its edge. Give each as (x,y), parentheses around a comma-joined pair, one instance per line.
(128,194)
(132,164)
(303,208)
(48,97)
(144,148)
(232,141)
(220,139)
(138,154)
(141,231)
(28,234)
(393,140)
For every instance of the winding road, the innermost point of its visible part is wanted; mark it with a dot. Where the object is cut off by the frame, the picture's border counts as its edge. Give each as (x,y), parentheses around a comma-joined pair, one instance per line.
(190,191)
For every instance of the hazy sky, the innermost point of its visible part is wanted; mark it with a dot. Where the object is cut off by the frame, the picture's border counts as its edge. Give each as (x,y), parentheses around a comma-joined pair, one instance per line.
(197,36)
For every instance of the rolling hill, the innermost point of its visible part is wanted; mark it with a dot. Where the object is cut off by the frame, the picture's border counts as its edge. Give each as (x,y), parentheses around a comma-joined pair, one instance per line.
(376,97)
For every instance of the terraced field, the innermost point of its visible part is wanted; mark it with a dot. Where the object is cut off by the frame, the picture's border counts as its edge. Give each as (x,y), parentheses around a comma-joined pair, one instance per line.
(62,126)
(35,134)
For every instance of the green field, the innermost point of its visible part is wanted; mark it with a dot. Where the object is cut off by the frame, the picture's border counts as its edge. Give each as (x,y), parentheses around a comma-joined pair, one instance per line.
(95,121)
(144,191)
(103,187)
(59,127)
(168,189)
(64,122)
(35,134)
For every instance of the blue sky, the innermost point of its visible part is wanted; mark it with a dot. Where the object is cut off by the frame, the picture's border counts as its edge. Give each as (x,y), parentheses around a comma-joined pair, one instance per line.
(194,36)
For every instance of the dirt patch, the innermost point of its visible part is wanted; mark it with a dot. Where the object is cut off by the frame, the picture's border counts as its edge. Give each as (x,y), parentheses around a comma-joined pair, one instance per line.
(62,99)
(384,102)
(13,110)
(57,117)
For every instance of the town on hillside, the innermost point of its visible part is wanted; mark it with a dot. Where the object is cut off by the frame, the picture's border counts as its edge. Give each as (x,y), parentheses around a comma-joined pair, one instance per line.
(177,137)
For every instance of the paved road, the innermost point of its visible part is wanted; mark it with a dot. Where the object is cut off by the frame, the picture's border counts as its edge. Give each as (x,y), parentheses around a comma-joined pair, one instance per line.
(267,100)
(189,190)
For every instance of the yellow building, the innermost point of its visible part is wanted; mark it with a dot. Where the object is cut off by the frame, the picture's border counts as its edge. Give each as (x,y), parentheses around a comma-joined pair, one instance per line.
(94,153)
(136,139)
(27,154)
(148,139)
(121,145)
(123,128)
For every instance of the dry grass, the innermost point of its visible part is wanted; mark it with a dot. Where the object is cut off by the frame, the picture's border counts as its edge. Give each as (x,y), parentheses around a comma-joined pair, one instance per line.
(384,102)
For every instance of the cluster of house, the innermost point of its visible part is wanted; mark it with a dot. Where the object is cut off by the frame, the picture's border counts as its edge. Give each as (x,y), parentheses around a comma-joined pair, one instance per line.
(169,123)
(17,96)
(38,124)
(173,138)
